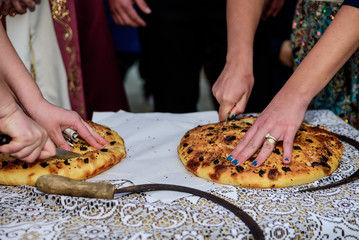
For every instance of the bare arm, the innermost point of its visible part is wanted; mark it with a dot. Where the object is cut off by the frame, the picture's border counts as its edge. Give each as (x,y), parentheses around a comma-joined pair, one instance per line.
(234,85)
(29,140)
(283,116)
(29,97)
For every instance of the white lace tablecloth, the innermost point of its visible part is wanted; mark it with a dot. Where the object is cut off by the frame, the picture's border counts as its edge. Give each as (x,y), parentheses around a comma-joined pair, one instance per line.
(281,213)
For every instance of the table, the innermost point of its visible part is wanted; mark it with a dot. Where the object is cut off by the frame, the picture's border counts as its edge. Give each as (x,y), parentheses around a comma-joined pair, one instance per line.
(27,213)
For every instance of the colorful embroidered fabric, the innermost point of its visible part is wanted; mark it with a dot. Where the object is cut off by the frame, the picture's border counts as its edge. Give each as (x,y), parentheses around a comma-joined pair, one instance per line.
(341,95)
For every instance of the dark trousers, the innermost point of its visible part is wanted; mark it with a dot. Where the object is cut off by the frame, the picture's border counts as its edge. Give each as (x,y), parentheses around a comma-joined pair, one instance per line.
(180,38)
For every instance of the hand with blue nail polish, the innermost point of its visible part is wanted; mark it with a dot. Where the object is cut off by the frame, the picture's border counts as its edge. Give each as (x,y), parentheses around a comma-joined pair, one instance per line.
(285,113)
(281,119)
(230,158)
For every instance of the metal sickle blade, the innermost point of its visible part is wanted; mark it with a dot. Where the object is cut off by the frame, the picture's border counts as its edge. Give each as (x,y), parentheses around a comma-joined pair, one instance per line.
(351,178)
(251,224)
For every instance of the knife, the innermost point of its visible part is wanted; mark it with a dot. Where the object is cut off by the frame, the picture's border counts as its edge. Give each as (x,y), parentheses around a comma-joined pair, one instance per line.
(60,153)
(229,116)
(56,184)
(351,178)
(65,154)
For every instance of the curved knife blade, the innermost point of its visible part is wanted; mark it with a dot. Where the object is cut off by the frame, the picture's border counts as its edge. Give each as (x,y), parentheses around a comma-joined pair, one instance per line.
(56,184)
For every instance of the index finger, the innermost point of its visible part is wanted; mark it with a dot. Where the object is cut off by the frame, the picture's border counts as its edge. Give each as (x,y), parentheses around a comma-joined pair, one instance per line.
(143,6)
(90,136)
(18,7)
(29,4)
(135,18)
(48,150)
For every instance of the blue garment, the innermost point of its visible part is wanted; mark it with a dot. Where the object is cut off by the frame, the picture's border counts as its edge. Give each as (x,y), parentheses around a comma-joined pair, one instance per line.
(125,38)
(354,3)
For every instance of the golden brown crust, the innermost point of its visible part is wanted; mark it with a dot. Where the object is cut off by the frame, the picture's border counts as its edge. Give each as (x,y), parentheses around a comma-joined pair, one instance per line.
(204,151)
(91,163)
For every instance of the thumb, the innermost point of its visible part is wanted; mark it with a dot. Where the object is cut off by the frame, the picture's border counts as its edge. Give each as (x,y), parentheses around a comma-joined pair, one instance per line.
(48,150)
(240,106)
(224,110)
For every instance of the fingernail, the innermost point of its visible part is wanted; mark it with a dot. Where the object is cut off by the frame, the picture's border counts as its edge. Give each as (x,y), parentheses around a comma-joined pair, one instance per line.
(229,158)
(254,163)
(286,160)
(235,161)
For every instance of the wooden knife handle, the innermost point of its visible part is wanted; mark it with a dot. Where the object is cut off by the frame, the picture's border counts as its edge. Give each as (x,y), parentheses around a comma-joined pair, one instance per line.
(55,184)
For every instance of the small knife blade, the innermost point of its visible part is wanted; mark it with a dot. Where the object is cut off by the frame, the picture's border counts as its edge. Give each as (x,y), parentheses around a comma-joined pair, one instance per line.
(351,178)
(225,123)
(65,154)
(60,153)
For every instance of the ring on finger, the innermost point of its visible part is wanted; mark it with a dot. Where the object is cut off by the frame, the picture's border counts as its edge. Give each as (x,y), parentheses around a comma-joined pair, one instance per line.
(271,139)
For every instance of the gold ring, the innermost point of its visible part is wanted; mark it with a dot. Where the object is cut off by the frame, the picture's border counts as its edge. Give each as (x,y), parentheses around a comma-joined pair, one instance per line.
(271,139)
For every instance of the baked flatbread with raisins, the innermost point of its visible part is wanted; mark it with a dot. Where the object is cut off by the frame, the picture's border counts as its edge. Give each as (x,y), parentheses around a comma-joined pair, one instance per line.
(91,162)
(204,151)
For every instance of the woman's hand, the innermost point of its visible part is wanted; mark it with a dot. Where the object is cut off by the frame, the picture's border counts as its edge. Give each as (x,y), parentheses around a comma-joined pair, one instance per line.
(232,90)
(55,120)
(281,119)
(29,140)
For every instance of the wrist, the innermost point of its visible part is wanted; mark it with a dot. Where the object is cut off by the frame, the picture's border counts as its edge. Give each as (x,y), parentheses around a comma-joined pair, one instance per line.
(241,58)
(8,109)
(34,103)
(240,63)
(298,95)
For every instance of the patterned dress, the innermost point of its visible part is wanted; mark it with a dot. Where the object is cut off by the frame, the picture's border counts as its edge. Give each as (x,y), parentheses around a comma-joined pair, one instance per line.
(341,95)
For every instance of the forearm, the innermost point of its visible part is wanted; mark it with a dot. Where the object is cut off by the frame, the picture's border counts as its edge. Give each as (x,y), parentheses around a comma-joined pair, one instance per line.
(7,103)
(15,75)
(242,20)
(335,47)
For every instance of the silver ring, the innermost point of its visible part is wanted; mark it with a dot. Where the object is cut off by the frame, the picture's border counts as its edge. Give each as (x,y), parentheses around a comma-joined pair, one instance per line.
(271,139)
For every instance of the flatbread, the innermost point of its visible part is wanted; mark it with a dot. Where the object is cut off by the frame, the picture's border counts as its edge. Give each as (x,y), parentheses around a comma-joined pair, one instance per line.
(91,162)
(204,151)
